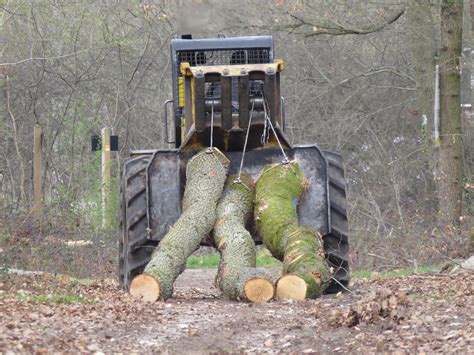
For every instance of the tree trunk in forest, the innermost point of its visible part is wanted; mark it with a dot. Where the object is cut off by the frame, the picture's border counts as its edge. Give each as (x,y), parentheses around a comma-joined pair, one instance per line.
(277,193)
(237,276)
(466,104)
(449,179)
(205,177)
(423,43)
(423,38)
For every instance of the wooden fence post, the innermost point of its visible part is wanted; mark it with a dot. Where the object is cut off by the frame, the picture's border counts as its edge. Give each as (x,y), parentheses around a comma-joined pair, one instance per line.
(37,183)
(106,176)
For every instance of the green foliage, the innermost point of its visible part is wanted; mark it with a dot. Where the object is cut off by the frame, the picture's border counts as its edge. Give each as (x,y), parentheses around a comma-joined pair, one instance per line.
(264,259)
(403,272)
(203,262)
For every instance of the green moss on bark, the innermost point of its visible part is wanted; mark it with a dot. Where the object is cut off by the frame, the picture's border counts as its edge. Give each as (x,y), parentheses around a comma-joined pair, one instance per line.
(278,191)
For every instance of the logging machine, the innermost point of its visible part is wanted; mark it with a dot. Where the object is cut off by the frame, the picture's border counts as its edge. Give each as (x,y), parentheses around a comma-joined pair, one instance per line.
(226,94)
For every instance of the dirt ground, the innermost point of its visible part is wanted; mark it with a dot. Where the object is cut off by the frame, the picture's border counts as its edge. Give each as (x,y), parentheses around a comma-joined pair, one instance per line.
(424,313)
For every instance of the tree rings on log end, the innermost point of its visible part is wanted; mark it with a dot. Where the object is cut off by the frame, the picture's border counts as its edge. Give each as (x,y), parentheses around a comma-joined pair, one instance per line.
(259,290)
(145,288)
(291,287)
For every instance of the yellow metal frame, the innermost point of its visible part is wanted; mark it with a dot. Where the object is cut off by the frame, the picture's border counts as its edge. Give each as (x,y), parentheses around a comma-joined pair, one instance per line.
(191,74)
(180,91)
(230,70)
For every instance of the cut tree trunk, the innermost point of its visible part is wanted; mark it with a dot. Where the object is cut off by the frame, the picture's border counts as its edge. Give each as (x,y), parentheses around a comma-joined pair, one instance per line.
(306,273)
(237,276)
(205,178)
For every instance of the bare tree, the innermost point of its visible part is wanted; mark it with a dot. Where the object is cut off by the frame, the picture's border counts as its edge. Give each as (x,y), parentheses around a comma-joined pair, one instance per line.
(449,178)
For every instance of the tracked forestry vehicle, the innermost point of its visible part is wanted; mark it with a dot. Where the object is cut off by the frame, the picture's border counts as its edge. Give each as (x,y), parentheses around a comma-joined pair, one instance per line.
(226,94)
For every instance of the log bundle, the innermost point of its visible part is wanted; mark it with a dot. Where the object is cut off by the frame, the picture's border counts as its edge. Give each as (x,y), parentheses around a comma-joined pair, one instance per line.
(223,205)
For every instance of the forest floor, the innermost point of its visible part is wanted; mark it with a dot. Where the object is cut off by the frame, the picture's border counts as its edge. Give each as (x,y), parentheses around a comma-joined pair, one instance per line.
(55,313)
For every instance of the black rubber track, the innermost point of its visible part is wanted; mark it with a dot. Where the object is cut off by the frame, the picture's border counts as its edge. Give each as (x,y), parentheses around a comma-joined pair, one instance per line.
(336,243)
(134,248)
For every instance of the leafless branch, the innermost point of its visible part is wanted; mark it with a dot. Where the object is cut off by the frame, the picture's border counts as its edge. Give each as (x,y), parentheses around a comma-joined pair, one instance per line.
(337,29)
(43,58)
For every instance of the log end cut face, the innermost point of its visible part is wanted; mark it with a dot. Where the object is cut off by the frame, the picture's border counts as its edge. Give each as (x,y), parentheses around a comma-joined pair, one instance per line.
(291,287)
(145,288)
(259,290)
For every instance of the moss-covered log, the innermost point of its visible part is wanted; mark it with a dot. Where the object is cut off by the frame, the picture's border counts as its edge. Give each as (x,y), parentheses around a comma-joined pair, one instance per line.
(237,276)
(205,178)
(306,273)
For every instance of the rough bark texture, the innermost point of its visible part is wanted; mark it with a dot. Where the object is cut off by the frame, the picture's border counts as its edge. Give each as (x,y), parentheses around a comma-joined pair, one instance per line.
(237,276)
(423,40)
(450,186)
(277,193)
(423,44)
(205,177)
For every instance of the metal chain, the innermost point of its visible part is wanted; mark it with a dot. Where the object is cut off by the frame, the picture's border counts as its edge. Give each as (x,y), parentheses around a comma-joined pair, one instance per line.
(238,180)
(265,134)
(264,139)
(209,150)
(267,118)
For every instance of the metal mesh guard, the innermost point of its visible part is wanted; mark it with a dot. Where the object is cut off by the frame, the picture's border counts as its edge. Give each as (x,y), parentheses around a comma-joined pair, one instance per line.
(222,57)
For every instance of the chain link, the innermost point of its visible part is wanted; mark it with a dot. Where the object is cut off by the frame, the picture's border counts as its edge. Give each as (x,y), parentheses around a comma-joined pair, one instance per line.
(211,139)
(267,119)
(264,139)
(238,180)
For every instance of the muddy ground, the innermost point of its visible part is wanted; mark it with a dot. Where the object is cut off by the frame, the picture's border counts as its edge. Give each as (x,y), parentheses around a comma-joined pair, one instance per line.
(424,313)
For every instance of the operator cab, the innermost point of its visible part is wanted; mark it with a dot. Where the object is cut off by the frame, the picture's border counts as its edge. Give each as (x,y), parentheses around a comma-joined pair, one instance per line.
(226,84)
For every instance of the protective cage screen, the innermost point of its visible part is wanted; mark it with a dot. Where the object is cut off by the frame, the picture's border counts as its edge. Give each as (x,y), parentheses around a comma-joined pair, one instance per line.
(220,57)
